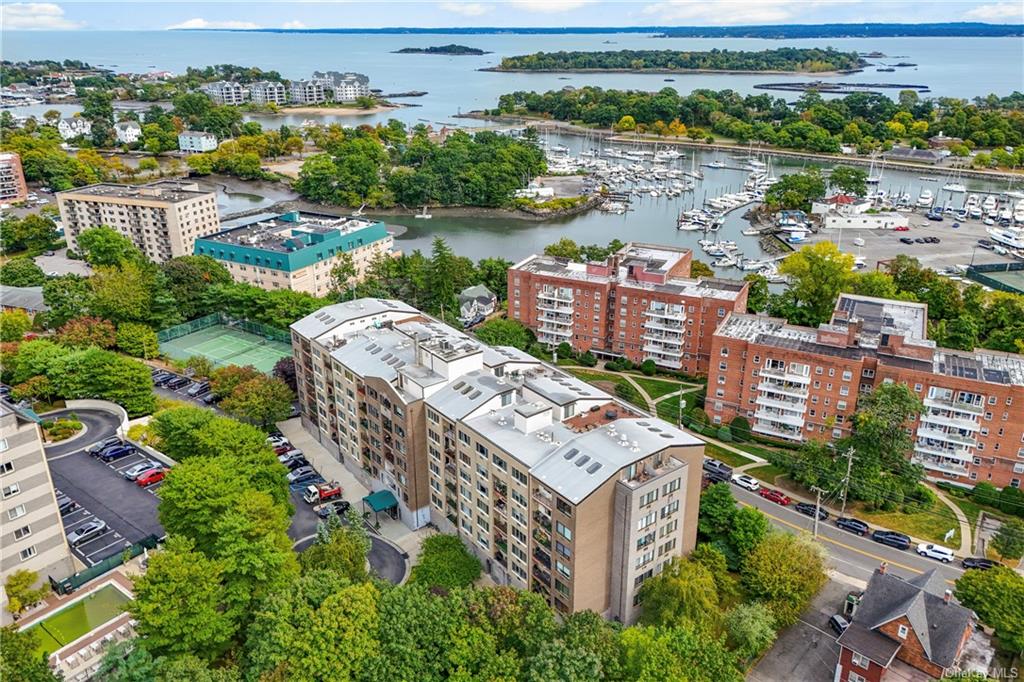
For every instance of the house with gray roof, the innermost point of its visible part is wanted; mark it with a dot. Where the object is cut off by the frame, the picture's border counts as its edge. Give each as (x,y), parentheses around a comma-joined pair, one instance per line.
(475,303)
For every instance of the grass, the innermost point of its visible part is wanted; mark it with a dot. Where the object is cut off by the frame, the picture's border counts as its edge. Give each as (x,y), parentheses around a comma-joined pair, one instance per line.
(596,377)
(727,456)
(668,409)
(657,388)
(760,451)
(766,472)
(929,524)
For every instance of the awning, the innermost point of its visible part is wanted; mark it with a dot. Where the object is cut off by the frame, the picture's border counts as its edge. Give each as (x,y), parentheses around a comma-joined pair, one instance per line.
(381,500)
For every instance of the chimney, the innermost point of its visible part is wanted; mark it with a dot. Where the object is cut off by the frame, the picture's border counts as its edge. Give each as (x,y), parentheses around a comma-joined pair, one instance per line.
(883,567)
(947,596)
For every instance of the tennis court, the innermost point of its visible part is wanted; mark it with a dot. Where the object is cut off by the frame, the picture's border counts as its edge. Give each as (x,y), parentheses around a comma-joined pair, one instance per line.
(225,345)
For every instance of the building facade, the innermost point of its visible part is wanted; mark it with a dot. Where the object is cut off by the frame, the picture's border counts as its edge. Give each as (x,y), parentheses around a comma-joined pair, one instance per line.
(555,485)
(268,92)
(346,87)
(226,92)
(127,132)
(31,531)
(799,383)
(162,218)
(12,179)
(296,250)
(75,126)
(306,92)
(640,303)
(196,141)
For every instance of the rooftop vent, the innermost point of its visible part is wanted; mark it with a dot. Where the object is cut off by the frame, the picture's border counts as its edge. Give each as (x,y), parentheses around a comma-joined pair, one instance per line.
(582,460)
(592,469)
(571,453)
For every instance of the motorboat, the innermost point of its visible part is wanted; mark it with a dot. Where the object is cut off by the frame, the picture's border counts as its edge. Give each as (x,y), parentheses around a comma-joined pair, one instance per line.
(925,199)
(423,214)
(717,163)
(1012,237)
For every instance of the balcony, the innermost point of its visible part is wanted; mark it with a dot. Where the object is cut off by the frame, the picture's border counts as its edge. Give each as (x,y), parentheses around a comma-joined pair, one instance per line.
(557,317)
(543,557)
(542,538)
(781,403)
(783,388)
(779,417)
(553,295)
(953,404)
(543,520)
(672,361)
(670,325)
(954,437)
(777,432)
(548,330)
(785,376)
(950,420)
(668,353)
(662,337)
(666,313)
(940,464)
(938,449)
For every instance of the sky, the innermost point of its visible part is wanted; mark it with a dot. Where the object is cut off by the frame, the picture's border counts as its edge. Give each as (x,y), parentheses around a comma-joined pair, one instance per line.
(153,15)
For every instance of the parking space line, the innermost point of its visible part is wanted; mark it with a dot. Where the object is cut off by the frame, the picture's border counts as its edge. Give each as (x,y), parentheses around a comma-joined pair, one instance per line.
(88,517)
(118,540)
(103,536)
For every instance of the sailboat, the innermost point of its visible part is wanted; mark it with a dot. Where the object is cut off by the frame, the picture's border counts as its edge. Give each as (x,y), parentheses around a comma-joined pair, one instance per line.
(955,185)
(423,214)
(873,179)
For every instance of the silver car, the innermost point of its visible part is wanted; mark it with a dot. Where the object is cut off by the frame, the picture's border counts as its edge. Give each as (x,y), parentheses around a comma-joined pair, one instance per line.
(87,531)
(134,472)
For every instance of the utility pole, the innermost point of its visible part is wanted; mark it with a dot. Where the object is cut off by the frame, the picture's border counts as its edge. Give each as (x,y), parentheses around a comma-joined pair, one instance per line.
(846,480)
(681,403)
(817,510)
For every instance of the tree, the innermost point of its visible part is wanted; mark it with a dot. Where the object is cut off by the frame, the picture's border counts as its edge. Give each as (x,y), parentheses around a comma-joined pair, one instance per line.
(97,373)
(849,179)
(20,590)
(796,191)
(342,548)
(751,629)
(997,596)
(179,430)
(785,572)
(717,510)
(179,602)
(504,332)
(106,246)
(13,325)
(21,272)
(224,380)
(683,594)
(557,661)
(563,248)
(34,358)
(749,528)
(36,388)
(648,368)
(493,274)
(625,124)
(699,269)
(20,660)
(817,273)
(1009,539)
(149,164)
(68,297)
(284,369)
(138,340)
(261,401)
(880,440)
(757,292)
(82,332)
(34,233)
(652,654)
(445,562)
(188,278)
(344,272)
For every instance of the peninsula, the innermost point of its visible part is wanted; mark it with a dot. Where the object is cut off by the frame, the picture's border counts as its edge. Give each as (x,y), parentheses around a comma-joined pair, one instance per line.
(781,60)
(451,50)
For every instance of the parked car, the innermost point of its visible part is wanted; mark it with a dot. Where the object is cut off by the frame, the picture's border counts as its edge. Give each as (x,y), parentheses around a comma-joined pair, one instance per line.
(906,240)
(838,624)
(339,506)
(177,382)
(150,477)
(296,463)
(891,538)
(141,468)
(66,505)
(116,453)
(714,466)
(104,444)
(299,473)
(744,481)
(307,478)
(277,441)
(321,492)
(211,398)
(716,477)
(289,455)
(90,530)
(937,552)
(978,562)
(901,228)
(776,496)
(852,525)
(198,389)
(164,378)
(283,449)
(808,509)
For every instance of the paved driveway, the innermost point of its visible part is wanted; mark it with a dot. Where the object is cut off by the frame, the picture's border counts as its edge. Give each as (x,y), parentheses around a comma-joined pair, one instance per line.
(386,560)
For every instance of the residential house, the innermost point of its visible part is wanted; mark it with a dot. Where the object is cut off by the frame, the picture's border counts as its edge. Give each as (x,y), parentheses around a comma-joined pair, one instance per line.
(307,92)
(75,126)
(128,132)
(196,141)
(475,303)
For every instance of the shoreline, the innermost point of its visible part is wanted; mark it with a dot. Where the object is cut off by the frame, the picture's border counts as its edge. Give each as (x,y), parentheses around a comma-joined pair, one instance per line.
(334,110)
(681,72)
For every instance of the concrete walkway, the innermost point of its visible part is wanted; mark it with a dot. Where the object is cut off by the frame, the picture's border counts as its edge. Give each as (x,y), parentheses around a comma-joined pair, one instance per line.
(966,544)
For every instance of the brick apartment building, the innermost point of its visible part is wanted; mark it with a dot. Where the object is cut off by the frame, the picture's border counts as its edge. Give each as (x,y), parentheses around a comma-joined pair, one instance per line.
(555,485)
(640,303)
(799,383)
(12,179)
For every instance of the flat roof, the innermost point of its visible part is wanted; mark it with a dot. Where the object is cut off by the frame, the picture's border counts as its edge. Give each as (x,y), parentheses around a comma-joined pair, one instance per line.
(330,317)
(170,191)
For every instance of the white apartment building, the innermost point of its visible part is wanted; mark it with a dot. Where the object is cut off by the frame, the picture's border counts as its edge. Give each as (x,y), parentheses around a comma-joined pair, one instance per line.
(226,92)
(267,92)
(307,92)
(196,141)
(31,531)
(346,87)
(70,128)
(128,132)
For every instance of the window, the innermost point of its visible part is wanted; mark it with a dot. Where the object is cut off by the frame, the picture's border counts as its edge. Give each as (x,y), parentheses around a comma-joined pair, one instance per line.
(6,468)
(563,530)
(854,677)
(22,532)
(11,490)
(648,498)
(860,660)
(563,569)
(16,512)
(903,632)
(647,520)
(28,553)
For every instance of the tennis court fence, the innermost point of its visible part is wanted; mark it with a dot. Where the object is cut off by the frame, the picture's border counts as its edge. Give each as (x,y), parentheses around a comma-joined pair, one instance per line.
(215,319)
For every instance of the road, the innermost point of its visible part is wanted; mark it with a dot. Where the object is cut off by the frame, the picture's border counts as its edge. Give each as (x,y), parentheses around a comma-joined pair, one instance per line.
(851,555)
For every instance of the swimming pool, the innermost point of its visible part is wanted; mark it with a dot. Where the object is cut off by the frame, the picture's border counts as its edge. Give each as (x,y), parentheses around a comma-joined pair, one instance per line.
(78,618)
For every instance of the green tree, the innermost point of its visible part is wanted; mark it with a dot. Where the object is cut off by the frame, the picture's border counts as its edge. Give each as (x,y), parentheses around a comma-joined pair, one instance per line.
(23,589)
(224,380)
(342,550)
(344,273)
(784,572)
(36,388)
(34,358)
(625,124)
(1009,539)
(200,365)
(179,603)
(757,292)
(997,596)
(445,562)
(557,661)
(20,660)
(880,440)
(563,248)
(493,274)
(138,340)
(817,273)
(717,511)
(68,297)
(653,654)
(179,430)
(874,283)
(262,401)
(504,332)
(21,272)
(749,528)
(751,629)
(796,191)
(97,373)
(849,179)
(34,233)
(188,278)
(14,324)
(82,332)
(106,246)
(684,593)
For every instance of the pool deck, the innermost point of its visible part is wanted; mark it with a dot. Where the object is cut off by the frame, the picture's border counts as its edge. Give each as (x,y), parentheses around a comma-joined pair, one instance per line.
(79,659)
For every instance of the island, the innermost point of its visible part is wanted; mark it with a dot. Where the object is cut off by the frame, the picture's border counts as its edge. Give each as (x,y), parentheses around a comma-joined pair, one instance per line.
(452,50)
(780,60)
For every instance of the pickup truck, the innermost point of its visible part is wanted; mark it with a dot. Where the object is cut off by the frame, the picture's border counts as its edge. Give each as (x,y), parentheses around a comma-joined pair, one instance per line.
(322,492)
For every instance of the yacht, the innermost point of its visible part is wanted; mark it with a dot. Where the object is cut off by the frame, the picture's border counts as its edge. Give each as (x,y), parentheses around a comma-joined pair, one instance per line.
(925,199)
(955,185)
(717,163)
(1012,237)
(872,178)
(667,155)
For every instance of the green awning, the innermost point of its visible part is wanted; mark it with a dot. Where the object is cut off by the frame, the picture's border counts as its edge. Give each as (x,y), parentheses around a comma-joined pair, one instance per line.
(381,500)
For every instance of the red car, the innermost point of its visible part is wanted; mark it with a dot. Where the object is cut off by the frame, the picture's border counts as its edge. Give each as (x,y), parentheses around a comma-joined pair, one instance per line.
(775,496)
(150,477)
(901,228)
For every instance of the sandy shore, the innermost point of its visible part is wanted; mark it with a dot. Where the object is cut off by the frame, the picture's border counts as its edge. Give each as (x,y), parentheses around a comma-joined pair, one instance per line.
(336,110)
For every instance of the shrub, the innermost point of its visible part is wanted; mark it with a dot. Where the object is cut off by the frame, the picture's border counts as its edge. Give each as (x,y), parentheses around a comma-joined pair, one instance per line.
(627,393)
(699,415)
(725,434)
(648,368)
(444,562)
(587,359)
(986,493)
(564,350)
(1011,501)
(740,428)
(137,340)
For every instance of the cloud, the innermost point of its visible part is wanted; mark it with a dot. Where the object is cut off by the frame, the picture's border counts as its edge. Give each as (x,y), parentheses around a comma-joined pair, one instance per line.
(36,15)
(548,6)
(466,9)
(996,11)
(203,23)
(293,25)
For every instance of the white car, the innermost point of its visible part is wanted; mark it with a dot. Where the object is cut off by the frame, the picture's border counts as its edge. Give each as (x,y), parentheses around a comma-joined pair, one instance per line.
(943,554)
(748,482)
(276,441)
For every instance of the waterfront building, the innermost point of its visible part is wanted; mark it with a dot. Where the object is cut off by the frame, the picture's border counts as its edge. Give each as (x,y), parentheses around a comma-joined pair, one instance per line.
(889,220)
(163,218)
(931,156)
(128,132)
(75,126)
(306,92)
(296,250)
(346,87)
(32,532)
(799,383)
(554,484)
(12,179)
(226,92)
(267,92)
(196,141)
(640,303)
(475,303)
(29,299)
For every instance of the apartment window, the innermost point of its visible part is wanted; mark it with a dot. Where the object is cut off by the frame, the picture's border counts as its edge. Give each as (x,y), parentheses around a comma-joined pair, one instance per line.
(22,532)
(854,677)
(28,553)
(648,498)
(672,486)
(903,632)
(647,520)
(669,509)
(563,549)
(645,540)
(563,530)
(6,468)
(3,444)
(11,490)
(16,512)
(563,569)
(645,558)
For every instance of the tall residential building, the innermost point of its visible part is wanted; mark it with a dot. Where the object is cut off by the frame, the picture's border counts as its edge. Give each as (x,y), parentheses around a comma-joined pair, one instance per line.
(12,178)
(226,92)
(31,531)
(800,383)
(266,92)
(640,303)
(346,87)
(296,250)
(554,484)
(163,218)
(306,92)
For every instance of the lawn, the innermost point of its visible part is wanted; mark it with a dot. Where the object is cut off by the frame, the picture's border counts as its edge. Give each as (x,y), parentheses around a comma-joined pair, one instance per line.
(668,409)
(656,388)
(759,450)
(727,456)
(930,524)
(608,379)
(766,472)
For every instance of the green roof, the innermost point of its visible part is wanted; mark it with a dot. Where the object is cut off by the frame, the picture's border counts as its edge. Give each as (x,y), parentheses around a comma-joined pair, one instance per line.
(382,500)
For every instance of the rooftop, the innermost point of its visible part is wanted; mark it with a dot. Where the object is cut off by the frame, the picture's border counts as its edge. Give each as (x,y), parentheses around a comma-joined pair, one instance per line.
(880,315)
(348,315)
(471,391)
(290,232)
(26,298)
(171,191)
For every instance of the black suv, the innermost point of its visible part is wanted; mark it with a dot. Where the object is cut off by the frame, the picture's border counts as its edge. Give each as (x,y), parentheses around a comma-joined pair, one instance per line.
(978,562)
(891,538)
(852,525)
(808,509)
